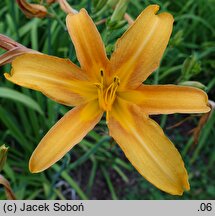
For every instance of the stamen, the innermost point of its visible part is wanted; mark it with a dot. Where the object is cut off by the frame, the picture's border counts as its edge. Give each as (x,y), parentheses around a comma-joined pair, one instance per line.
(107,96)
(100,93)
(110,93)
(116,80)
(102,77)
(98,85)
(110,87)
(107,117)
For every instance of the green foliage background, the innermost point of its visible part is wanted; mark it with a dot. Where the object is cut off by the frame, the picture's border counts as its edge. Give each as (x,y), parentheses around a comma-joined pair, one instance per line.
(97,168)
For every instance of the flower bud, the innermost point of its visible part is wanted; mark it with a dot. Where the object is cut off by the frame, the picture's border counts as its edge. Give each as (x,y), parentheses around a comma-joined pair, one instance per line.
(194,84)
(3,156)
(119,11)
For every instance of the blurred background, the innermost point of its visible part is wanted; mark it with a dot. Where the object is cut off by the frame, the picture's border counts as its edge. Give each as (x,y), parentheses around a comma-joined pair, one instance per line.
(97,168)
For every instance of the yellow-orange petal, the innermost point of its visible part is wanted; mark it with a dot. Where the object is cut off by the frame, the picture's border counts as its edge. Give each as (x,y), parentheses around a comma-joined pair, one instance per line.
(147,148)
(138,52)
(64,135)
(168,99)
(88,44)
(57,78)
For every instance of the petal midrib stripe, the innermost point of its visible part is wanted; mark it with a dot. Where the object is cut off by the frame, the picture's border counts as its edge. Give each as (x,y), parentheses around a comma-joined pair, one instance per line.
(142,46)
(147,149)
(62,82)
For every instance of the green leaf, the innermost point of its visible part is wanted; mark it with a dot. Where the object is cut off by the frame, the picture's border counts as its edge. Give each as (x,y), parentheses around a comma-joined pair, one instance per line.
(20,97)
(71,182)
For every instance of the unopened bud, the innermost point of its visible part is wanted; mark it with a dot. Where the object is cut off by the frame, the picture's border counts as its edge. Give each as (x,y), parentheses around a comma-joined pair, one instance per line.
(112,3)
(3,156)
(119,11)
(191,67)
(193,84)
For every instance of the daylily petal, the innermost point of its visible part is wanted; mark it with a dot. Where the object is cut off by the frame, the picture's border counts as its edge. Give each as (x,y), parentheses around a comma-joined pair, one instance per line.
(50,1)
(8,43)
(10,55)
(168,99)
(8,190)
(89,47)
(65,6)
(147,148)
(13,48)
(139,51)
(57,78)
(32,10)
(65,134)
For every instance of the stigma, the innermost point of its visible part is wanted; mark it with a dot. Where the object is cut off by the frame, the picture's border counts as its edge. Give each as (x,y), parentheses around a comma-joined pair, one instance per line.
(107,93)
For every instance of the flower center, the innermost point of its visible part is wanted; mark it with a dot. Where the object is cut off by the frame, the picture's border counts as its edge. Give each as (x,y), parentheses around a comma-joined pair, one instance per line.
(107,94)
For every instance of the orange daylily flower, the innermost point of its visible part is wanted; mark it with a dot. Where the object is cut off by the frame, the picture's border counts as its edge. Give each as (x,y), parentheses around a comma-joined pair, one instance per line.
(113,86)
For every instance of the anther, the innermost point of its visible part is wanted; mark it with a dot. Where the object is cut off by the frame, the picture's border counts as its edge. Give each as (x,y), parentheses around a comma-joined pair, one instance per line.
(116,80)
(98,85)
(107,94)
